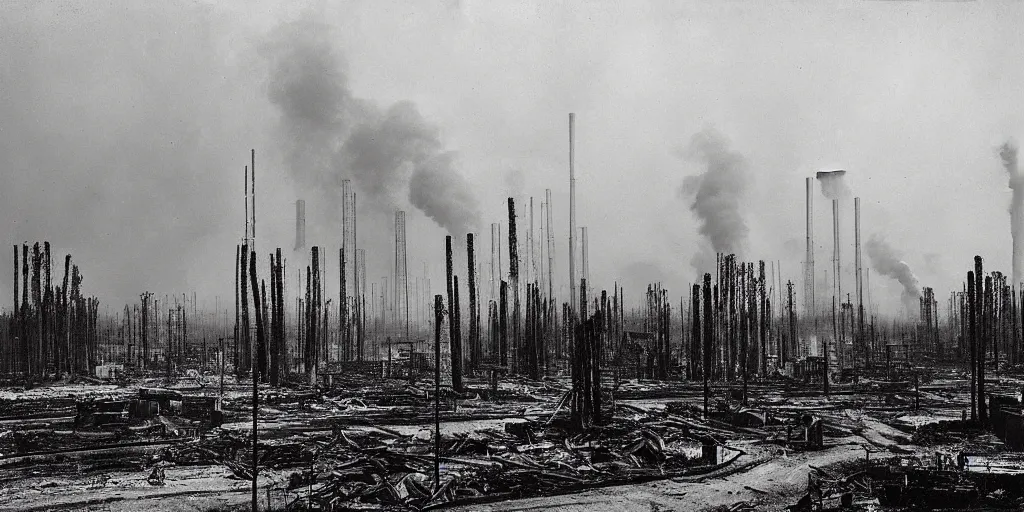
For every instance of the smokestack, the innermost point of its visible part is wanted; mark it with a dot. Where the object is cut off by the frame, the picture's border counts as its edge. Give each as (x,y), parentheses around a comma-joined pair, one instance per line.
(495,276)
(585,269)
(300,225)
(860,277)
(531,270)
(401,272)
(245,237)
(348,270)
(838,269)
(809,293)
(573,283)
(1008,152)
(253,176)
(550,247)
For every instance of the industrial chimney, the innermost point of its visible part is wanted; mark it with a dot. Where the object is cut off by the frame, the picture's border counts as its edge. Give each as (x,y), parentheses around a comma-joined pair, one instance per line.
(809,292)
(300,224)
(573,283)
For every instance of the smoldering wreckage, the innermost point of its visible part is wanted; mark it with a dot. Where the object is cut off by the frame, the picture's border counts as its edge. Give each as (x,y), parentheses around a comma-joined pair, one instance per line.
(384,405)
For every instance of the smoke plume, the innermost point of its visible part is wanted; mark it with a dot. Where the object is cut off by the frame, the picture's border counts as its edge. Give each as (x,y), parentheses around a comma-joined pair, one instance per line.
(833,184)
(444,196)
(1008,152)
(717,193)
(886,261)
(392,154)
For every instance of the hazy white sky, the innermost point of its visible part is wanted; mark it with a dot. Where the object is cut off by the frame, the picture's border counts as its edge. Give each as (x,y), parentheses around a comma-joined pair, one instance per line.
(124,129)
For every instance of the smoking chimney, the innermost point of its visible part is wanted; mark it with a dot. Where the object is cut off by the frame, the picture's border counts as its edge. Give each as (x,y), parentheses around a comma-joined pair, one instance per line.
(550,246)
(809,260)
(300,224)
(573,283)
(1008,153)
(860,277)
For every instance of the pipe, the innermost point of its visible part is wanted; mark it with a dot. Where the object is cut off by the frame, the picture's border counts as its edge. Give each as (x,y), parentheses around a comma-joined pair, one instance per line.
(573,283)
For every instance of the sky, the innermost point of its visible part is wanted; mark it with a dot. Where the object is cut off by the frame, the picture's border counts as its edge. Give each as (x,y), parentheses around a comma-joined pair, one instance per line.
(125,126)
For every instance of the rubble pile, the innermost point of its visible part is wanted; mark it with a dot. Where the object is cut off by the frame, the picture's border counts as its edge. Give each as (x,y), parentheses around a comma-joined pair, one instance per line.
(371,466)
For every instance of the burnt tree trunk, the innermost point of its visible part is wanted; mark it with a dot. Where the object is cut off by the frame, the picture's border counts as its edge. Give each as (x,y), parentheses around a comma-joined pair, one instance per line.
(706,346)
(15,319)
(972,335)
(694,364)
(979,312)
(456,335)
(245,358)
(474,319)
(762,321)
(453,339)
(343,331)
(513,266)
(503,325)
(261,344)
(238,334)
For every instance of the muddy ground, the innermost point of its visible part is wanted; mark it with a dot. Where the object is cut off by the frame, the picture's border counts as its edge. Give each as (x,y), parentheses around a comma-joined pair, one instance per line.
(862,421)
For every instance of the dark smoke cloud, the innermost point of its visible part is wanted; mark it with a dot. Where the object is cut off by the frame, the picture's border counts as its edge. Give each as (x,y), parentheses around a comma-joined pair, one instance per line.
(444,196)
(381,152)
(334,136)
(833,184)
(1008,153)
(886,261)
(716,194)
(308,86)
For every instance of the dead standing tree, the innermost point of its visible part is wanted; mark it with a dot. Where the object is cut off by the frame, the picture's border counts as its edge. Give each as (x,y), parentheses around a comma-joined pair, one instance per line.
(37,299)
(261,344)
(245,356)
(585,395)
(979,312)
(706,346)
(474,317)
(26,312)
(503,325)
(313,299)
(277,339)
(15,319)
(237,337)
(453,329)
(513,272)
